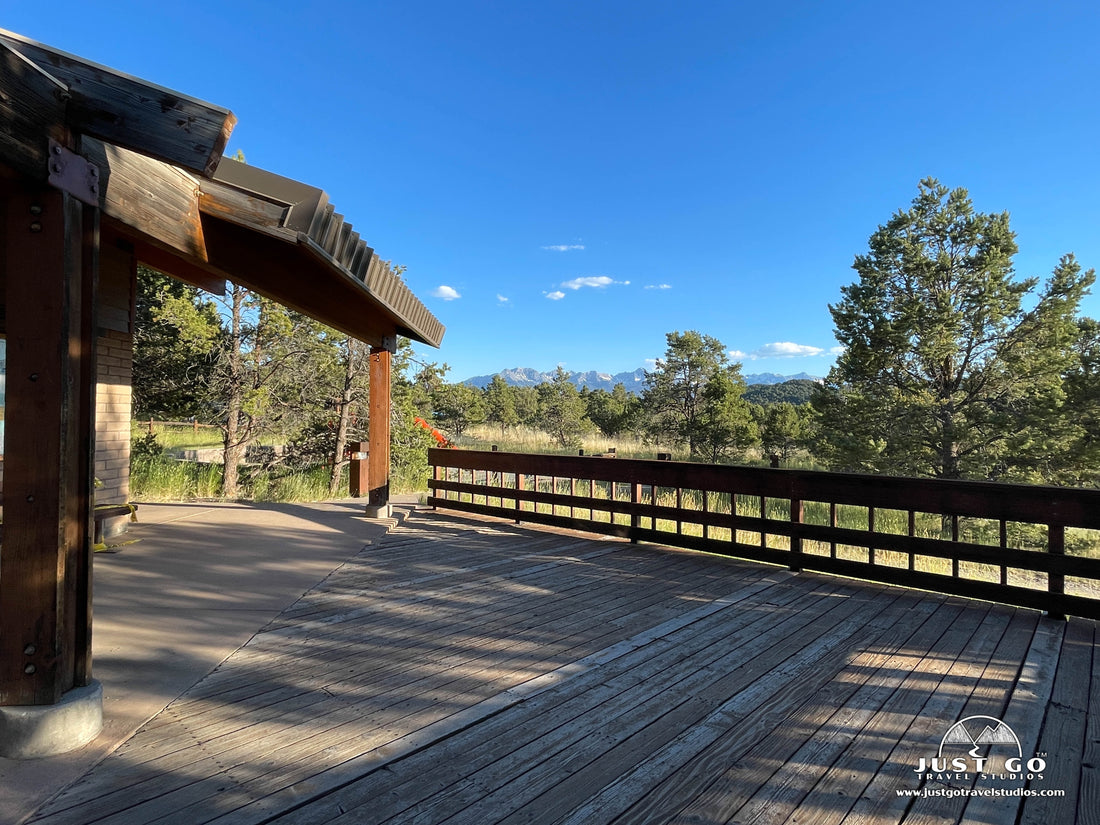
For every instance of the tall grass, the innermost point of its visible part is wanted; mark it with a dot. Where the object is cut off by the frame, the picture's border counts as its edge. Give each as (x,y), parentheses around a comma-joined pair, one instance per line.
(1020,536)
(531,440)
(159,478)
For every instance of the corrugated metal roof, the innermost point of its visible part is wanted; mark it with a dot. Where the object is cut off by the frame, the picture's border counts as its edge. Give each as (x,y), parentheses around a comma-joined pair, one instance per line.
(315,224)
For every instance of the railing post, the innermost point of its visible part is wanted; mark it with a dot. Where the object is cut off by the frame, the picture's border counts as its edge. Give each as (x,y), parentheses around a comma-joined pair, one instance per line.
(1056,582)
(796,539)
(635,519)
(519,488)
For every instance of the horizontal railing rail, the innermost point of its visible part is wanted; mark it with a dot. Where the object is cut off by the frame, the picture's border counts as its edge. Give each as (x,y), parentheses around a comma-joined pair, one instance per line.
(1032,546)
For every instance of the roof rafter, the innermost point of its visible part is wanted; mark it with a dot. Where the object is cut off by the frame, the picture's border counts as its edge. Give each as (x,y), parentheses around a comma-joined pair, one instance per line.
(132,113)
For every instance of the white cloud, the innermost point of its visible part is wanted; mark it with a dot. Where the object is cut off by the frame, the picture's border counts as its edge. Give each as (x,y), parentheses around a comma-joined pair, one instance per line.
(564,247)
(598,281)
(737,355)
(556,295)
(658,286)
(785,349)
(502,299)
(837,350)
(447,293)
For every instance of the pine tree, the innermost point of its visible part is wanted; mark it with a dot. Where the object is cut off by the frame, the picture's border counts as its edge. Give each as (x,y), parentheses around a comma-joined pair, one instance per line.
(694,397)
(944,371)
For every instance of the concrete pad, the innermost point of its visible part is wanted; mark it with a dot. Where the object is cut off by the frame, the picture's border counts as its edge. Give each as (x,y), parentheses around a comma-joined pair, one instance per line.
(198,581)
(36,731)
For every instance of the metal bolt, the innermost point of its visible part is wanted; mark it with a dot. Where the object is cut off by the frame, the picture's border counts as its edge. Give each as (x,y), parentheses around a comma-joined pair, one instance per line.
(57,150)
(36,209)
(95,188)
(36,226)
(29,669)
(34,376)
(30,498)
(93,171)
(30,650)
(57,166)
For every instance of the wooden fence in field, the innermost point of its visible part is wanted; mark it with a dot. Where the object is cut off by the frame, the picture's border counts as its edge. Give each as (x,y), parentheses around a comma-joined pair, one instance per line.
(1031,546)
(150,424)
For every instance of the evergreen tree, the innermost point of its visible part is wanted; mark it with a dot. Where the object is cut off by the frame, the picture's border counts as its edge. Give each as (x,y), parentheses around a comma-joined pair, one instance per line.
(614,412)
(562,410)
(694,397)
(457,407)
(500,404)
(784,427)
(726,426)
(177,333)
(945,372)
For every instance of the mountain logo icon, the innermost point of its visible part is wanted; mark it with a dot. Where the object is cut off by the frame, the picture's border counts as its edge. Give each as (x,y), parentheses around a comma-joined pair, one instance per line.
(975,731)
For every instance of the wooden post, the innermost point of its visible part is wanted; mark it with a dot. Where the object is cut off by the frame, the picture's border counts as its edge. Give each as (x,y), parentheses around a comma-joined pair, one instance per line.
(912,533)
(49,259)
(1056,582)
(378,500)
(358,478)
(796,539)
(635,519)
(519,487)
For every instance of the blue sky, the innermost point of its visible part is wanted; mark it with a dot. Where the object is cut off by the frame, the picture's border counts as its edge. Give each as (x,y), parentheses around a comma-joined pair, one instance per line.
(568,182)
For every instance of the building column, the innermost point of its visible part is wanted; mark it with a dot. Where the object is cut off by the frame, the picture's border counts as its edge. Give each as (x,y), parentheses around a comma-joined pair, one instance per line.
(48,700)
(378,454)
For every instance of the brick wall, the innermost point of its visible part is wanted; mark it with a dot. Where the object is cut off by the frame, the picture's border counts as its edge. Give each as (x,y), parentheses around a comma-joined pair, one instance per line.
(113,400)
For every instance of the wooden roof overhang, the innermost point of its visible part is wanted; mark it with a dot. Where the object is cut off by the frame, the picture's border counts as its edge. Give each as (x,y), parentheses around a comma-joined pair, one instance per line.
(151,159)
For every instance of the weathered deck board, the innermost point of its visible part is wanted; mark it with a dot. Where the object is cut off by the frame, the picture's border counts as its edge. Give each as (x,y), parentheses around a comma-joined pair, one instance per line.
(778,770)
(472,671)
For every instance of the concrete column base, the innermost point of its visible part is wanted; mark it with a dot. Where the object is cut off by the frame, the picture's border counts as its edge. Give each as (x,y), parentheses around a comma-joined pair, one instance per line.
(379,510)
(34,731)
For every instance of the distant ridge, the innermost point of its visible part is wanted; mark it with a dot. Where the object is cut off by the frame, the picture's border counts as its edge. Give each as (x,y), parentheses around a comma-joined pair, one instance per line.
(634,382)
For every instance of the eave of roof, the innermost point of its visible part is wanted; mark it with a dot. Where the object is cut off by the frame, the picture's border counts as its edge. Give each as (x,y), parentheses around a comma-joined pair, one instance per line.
(297,212)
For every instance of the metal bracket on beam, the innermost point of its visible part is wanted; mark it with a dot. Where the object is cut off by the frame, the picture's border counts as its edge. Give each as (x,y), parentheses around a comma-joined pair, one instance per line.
(389,343)
(74,174)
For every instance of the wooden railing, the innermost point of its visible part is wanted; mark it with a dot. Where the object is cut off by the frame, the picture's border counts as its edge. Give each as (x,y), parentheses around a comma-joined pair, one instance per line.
(1031,546)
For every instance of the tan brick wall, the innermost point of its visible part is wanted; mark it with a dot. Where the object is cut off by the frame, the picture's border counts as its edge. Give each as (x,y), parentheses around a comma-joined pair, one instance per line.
(112,411)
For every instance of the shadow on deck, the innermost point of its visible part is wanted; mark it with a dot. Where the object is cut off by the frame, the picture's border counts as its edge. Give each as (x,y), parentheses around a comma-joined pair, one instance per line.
(471,671)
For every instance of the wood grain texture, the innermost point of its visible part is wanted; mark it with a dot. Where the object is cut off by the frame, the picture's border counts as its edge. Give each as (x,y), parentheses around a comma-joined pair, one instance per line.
(129,112)
(465,670)
(45,595)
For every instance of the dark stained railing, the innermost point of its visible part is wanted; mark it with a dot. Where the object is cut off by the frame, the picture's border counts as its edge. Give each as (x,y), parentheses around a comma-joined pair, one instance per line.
(1031,546)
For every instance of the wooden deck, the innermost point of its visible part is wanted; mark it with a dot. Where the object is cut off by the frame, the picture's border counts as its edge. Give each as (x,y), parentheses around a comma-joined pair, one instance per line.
(471,671)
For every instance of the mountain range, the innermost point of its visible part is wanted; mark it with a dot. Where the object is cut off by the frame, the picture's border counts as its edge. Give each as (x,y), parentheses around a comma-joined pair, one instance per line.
(634,382)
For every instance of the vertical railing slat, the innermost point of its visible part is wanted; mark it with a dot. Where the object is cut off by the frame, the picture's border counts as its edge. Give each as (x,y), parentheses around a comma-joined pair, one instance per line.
(1056,582)
(796,539)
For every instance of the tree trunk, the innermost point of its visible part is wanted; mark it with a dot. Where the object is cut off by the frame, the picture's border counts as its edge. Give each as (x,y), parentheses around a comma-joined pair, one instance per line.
(236,437)
(342,426)
(352,368)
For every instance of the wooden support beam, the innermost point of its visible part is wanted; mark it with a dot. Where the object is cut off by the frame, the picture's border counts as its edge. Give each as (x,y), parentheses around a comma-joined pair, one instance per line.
(134,113)
(295,277)
(49,258)
(32,110)
(180,267)
(154,199)
(378,471)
